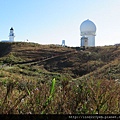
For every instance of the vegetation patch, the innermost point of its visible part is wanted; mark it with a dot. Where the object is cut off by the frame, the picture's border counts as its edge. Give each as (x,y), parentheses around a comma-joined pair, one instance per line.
(51,79)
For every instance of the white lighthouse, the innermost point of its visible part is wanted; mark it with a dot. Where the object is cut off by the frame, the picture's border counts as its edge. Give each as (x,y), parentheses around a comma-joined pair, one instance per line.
(88,33)
(11,35)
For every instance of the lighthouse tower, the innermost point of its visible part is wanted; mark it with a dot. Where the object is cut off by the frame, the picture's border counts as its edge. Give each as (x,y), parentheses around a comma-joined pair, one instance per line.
(11,35)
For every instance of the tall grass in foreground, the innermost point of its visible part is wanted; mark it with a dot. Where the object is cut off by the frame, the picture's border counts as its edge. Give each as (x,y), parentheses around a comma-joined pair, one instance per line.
(51,95)
(70,97)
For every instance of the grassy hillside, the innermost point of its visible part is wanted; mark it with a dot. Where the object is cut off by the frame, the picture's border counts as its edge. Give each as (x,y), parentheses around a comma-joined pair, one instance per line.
(59,59)
(86,81)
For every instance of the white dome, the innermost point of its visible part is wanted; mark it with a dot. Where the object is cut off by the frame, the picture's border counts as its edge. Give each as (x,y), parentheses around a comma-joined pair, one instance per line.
(87,27)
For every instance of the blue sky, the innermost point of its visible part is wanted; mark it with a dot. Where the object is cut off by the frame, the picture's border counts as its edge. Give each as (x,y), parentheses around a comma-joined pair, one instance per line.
(51,21)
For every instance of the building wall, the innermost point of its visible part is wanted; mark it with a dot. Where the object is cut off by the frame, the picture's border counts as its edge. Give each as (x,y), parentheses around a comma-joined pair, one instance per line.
(11,38)
(91,40)
(84,41)
(88,40)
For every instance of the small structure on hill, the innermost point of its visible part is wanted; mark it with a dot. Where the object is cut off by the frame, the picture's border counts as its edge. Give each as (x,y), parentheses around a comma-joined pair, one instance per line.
(63,43)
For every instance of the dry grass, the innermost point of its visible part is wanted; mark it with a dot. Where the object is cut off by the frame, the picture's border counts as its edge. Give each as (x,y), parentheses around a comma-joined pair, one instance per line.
(26,88)
(82,97)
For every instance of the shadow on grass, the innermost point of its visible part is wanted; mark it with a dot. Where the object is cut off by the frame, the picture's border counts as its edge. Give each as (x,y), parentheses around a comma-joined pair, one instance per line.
(5,48)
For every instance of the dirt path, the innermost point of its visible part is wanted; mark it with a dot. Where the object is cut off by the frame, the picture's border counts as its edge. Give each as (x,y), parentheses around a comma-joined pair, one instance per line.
(38,61)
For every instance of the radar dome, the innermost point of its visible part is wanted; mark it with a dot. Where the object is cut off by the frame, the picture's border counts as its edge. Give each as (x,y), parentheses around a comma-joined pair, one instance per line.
(87,27)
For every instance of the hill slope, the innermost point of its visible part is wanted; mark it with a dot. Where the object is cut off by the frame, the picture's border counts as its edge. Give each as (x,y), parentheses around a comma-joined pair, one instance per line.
(60,59)
(85,80)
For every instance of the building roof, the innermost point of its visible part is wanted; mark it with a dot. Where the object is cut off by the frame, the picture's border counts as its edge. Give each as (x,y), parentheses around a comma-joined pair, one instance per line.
(11,28)
(87,26)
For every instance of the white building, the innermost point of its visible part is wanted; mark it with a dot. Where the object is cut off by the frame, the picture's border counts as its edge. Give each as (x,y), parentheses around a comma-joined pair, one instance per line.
(88,33)
(63,43)
(11,35)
